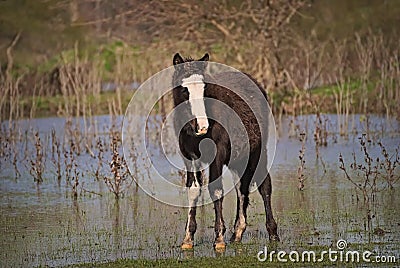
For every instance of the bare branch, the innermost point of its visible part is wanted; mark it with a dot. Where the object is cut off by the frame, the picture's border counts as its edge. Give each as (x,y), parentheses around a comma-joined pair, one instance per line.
(10,60)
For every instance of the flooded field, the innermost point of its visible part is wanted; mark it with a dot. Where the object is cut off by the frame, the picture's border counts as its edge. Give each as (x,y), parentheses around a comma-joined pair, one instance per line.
(72,217)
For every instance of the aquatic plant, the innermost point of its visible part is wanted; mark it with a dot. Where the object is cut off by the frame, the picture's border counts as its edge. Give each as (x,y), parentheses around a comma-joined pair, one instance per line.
(320,132)
(56,154)
(389,164)
(343,103)
(100,158)
(121,178)
(37,165)
(373,171)
(133,157)
(72,171)
(301,167)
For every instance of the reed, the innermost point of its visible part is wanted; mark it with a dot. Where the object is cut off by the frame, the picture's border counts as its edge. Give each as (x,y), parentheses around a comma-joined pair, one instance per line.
(300,170)
(15,161)
(320,133)
(134,157)
(390,165)
(121,178)
(37,162)
(368,176)
(56,154)
(72,171)
(343,103)
(100,158)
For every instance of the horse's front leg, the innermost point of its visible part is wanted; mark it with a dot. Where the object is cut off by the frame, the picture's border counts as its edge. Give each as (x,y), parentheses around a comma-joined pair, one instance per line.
(242,192)
(193,183)
(216,190)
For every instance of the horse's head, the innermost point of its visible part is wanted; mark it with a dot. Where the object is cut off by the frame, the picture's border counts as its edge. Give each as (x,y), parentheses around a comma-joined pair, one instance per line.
(189,78)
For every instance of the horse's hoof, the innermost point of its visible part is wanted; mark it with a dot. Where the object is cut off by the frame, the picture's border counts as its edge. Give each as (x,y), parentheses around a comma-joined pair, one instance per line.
(219,246)
(274,238)
(187,246)
(235,239)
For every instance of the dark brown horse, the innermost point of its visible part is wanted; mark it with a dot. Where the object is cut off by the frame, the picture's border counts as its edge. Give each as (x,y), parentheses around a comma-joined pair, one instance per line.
(200,119)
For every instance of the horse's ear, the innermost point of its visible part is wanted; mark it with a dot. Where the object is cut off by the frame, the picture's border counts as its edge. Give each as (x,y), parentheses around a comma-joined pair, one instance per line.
(206,57)
(177,59)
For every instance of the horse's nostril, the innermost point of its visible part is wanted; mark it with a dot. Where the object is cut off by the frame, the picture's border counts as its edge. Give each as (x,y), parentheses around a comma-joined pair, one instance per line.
(202,131)
(201,125)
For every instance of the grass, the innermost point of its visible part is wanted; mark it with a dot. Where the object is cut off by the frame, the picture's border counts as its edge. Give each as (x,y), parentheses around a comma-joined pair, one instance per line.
(47,106)
(327,95)
(240,260)
(329,90)
(203,262)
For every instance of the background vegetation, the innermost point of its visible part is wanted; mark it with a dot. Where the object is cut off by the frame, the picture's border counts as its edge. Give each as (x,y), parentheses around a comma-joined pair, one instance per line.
(343,54)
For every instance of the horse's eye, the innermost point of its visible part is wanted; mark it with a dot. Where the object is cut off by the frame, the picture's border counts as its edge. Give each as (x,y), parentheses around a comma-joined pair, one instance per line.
(184,90)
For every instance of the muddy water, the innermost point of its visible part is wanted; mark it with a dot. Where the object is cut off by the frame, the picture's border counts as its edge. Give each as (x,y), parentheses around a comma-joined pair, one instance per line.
(45,226)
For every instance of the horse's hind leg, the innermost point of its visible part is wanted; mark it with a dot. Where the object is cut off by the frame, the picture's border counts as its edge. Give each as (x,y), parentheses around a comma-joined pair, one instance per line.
(194,183)
(265,189)
(242,192)
(216,190)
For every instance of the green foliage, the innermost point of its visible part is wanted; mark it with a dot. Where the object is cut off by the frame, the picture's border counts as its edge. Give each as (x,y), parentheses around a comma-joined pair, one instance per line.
(106,54)
(351,86)
(109,53)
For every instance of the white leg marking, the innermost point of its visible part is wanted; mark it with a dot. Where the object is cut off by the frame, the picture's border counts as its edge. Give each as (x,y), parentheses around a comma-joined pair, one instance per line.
(218,194)
(241,222)
(194,190)
(193,194)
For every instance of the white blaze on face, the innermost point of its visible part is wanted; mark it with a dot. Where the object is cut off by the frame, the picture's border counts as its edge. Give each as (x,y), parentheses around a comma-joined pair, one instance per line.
(195,86)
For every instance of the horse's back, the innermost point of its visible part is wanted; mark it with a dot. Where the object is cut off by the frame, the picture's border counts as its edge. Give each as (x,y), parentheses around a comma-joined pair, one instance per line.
(249,103)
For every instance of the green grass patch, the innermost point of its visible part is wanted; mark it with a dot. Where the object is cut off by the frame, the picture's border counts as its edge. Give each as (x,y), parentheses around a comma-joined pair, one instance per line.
(352,86)
(222,261)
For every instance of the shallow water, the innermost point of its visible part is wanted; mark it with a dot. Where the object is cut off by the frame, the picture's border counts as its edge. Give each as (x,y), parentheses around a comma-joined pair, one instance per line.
(43,225)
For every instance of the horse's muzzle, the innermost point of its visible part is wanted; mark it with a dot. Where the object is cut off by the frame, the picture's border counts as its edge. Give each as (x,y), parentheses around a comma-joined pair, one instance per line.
(201,126)
(202,131)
